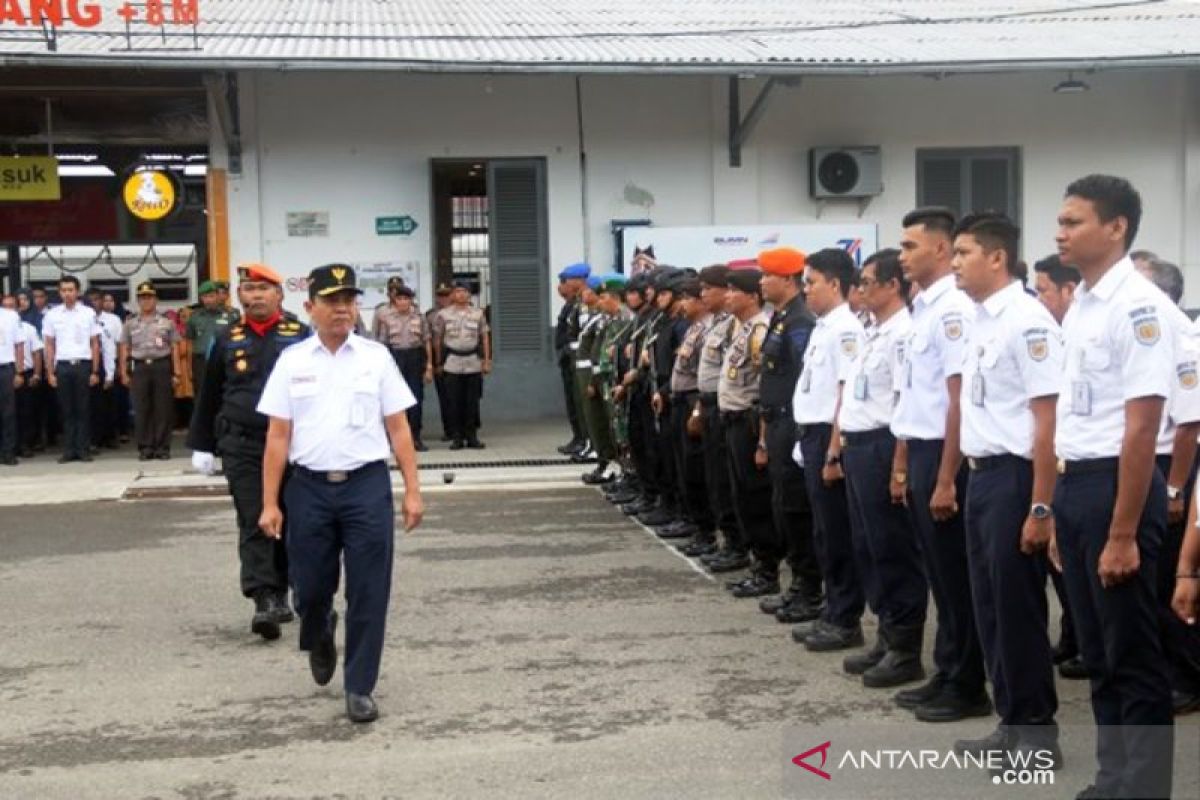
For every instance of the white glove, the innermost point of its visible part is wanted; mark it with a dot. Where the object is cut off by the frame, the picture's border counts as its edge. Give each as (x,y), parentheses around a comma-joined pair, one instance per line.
(204,463)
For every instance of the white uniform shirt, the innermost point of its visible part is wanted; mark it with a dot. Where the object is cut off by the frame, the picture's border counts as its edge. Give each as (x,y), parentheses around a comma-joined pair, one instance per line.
(72,331)
(832,348)
(110,327)
(336,402)
(869,397)
(33,344)
(1015,355)
(1184,404)
(11,335)
(933,353)
(1116,350)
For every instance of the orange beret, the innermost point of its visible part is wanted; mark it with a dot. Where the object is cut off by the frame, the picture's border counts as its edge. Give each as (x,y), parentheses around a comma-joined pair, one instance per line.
(259,272)
(781,261)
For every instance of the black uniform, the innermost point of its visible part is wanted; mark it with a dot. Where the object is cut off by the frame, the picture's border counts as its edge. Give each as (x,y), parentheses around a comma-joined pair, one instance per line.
(782,361)
(225,421)
(641,415)
(666,337)
(566,333)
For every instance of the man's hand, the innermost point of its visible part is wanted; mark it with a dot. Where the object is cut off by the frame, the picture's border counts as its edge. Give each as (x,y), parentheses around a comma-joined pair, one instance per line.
(619,394)
(591,391)
(412,509)
(1053,554)
(52,379)
(204,463)
(1036,534)
(271,522)
(35,379)
(656,403)
(108,384)
(695,425)
(123,377)
(898,490)
(1186,601)
(760,456)
(944,503)
(487,366)
(18,380)
(1119,560)
(832,473)
(428,377)
(93,380)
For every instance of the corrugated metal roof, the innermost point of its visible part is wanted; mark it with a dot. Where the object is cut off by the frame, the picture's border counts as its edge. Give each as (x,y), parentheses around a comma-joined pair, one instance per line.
(629,35)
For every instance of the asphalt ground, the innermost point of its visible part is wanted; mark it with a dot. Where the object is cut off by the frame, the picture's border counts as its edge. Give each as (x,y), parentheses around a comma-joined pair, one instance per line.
(539,645)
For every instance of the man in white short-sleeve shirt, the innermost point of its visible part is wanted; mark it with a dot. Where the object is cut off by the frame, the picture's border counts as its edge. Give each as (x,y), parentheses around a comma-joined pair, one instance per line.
(335,401)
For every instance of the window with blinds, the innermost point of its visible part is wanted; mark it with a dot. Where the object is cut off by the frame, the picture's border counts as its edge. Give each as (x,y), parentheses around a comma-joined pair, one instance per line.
(519,258)
(971,179)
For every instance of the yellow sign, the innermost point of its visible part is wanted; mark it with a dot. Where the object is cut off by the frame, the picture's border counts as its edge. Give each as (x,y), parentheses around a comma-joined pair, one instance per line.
(150,195)
(29,178)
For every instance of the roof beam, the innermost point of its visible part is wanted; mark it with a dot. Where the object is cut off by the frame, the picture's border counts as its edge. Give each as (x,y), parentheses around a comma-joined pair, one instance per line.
(739,128)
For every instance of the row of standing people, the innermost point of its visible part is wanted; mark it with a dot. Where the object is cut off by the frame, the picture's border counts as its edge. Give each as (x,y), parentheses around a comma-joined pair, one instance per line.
(955,450)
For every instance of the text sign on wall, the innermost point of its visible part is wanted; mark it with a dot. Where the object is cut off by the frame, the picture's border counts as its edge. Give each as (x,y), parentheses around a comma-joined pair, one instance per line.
(395,226)
(81,14)
(305,224)
(29,178)
(740,245)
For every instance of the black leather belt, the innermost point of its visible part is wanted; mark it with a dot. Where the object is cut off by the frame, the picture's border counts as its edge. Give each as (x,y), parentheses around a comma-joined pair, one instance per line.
(1085,465)
(984,463)
(72,362)
(333,476)
(860,438)
(151,360)
(803,430)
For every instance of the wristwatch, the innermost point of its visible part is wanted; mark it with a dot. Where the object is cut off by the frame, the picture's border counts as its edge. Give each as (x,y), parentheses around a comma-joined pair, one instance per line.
(900,477)
(1174,492)
(1041,511)
(832,460)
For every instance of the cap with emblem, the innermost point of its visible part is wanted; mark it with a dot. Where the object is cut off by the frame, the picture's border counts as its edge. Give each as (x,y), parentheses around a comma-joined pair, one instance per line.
(593,282)
(258,272)
(782,261)
(331,279)
(443,289)
(746,280)
(395,284)
(580,270)
(146,288)
(208,287)
(714,275)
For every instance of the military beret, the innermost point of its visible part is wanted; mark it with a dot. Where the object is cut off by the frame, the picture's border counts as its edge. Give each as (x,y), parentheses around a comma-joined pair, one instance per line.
(222,285)
(747,280)
(580,270)
(613,283)
(593,282)
(208,287)
(714,275)
(783,261)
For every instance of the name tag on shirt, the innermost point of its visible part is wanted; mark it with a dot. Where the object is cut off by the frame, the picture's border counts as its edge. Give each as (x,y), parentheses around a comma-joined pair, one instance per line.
(908,373)
(806,381)
(1081,398)
(977,390)
(860,386)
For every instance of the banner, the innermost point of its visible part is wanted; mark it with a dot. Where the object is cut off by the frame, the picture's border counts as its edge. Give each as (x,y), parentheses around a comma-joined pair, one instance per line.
(698,247)
(29,178)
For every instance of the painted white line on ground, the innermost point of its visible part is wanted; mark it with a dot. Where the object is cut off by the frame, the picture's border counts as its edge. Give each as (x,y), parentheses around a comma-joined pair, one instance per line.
(669,548)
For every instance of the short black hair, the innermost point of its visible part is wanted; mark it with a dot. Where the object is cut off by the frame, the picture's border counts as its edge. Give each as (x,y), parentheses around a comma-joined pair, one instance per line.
(1142,255)
(888,269)
(1168,277)
(938,219)
(68,279)
(1113,197)
(994,231)
(1060,274)
(835,264)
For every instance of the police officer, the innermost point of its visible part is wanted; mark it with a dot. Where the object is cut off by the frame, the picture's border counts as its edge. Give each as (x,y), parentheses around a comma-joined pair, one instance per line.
(463,349)
(633,392)
(885,545)
(566,340)
(705,419)
(665,340)
(405,332)
(1009,390)
(203,326)
(788,333)
(339,498)
(441,299)
(71,336)
(835,342)
(738,399)
(225,421)
(928,462)
(149,340)
(12,366)
(1110,502)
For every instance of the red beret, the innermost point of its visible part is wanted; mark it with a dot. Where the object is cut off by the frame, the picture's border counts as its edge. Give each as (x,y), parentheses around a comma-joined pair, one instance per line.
(781,261)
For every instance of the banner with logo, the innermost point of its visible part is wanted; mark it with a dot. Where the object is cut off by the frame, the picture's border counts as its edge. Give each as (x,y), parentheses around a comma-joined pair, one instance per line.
(698,247)
(29,178)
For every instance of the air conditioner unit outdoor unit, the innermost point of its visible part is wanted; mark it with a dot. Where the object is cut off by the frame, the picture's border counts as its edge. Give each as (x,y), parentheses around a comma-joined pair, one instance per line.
(844,172)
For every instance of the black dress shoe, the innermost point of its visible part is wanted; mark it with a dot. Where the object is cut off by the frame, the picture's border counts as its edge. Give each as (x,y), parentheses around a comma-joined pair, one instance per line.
(733,563)
(756,586)
(1185,702)
(9,461)
(164,455)
(1063,651)
(65,459)
(801,609)
(999,740)
(475,444)
(827,637)
(456,444)
(322,659)
(264,622)
(911,698)
(420,446)
(622,498)
(143,456)
(86,458)
(639,506)
(1073,669)
(361,708)
(802,630)
(280,608)
(597,477)
(567,448)
(769,605)
(951,705)
(699,549)
(679,529)
(656,517)
(859,663)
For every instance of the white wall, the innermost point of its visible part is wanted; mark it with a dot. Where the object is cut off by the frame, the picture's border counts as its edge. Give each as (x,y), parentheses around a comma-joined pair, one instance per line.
(359,145)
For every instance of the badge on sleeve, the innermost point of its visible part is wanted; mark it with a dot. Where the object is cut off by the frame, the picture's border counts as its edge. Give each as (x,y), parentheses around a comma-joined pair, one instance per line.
(1146,328)
(952,324)
(1188,378)
(849,345)
(1037,343)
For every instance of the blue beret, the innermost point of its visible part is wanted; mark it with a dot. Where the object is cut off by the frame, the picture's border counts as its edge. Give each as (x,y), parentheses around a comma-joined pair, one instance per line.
(579,270)
(593,282)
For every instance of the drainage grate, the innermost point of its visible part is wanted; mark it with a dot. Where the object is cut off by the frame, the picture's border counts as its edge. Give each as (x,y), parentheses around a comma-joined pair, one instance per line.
(522,462)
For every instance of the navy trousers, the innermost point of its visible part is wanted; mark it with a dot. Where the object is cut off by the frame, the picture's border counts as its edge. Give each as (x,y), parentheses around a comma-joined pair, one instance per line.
(1009,590)
(885,545)
(1180,641)
(411,363)
(73,406)
(1118,633)
(716,476)
(790,507)
(844,600)
(956,650)
(326,524)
